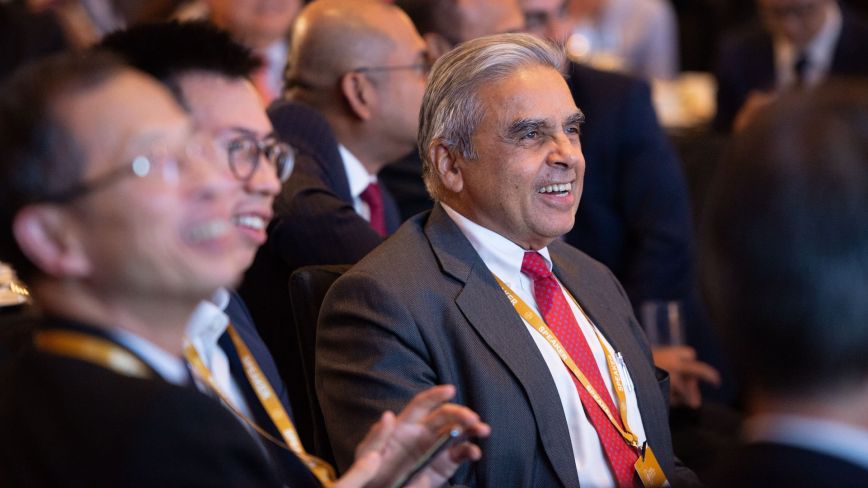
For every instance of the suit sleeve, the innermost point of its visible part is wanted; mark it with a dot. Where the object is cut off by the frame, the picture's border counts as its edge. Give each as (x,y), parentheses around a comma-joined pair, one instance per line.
(370,358)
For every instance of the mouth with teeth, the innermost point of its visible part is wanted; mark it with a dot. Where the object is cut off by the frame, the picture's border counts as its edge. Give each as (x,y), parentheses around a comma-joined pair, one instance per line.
(558,189)
(252,226)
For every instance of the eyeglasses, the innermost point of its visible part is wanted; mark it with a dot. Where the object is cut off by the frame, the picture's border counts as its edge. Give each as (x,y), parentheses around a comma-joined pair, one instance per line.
(245,151)
(161,161)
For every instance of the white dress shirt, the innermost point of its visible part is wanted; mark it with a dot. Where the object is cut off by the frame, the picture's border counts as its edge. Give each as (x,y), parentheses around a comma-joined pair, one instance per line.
(359,179)
(207,324)
(835,439)
(819,52)
(504,258)
(170,367)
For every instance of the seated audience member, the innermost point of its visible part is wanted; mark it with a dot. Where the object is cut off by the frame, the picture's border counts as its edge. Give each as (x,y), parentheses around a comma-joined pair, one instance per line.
(262,26)
(635,215)
(636,36)
(499,136)
(799,43)
(210,75)
(786,242)
(361,66)
(112,215)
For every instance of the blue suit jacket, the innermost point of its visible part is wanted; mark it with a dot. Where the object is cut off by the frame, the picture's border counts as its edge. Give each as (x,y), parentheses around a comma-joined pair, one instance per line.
(292,470)
(746,63)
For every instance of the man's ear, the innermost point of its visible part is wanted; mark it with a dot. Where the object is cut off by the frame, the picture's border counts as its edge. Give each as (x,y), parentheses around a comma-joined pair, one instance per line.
(448,166)
(359,93)
(437,45)
(46,238)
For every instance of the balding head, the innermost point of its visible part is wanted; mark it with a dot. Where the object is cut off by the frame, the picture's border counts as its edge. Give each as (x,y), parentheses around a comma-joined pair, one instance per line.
(362,64)
(332,37)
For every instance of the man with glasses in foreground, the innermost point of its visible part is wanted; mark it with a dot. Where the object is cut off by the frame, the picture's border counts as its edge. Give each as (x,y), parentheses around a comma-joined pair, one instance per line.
(114,212)
(210,75)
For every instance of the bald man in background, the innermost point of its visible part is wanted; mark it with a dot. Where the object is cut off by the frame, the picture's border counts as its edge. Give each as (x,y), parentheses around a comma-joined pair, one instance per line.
(357,74)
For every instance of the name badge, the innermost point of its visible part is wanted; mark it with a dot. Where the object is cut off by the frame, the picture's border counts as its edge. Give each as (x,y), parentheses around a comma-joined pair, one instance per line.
(649,469)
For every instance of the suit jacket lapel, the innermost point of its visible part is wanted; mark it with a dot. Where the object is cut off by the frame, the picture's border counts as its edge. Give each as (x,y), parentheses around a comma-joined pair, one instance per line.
(489,312)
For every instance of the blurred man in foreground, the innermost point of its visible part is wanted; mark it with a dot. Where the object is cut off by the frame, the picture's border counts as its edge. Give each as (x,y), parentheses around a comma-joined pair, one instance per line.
(115,213)
(787,272)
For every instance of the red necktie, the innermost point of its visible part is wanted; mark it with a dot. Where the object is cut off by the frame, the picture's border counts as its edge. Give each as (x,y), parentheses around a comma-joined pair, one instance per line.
(560,319)
(374,198)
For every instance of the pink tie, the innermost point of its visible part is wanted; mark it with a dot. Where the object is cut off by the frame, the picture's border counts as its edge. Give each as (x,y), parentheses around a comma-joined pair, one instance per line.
(374,198)
(560,319)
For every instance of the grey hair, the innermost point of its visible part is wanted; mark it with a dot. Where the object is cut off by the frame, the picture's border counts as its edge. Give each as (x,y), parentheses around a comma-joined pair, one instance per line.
(451,110)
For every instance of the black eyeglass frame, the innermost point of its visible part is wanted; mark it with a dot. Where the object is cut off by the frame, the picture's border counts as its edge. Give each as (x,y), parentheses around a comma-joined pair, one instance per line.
(278,153)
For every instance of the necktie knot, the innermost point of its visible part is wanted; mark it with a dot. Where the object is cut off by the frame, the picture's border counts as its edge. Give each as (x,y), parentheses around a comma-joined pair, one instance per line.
(373,197)
(534,266)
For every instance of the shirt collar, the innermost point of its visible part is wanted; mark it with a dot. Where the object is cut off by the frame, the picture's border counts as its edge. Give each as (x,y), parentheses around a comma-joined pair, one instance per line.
(170,367)
(502,256)
(208,323)
(357,175)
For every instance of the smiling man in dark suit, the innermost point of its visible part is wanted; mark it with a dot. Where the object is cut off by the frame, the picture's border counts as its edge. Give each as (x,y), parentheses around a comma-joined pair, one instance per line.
(211,76)
(499,136)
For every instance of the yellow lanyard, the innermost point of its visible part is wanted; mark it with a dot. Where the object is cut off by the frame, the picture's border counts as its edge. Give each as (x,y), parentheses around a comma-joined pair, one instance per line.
(270,402)
(92,349)
(539,324)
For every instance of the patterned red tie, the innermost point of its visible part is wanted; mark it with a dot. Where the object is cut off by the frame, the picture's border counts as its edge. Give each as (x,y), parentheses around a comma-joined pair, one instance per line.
(560,319)
(374,198)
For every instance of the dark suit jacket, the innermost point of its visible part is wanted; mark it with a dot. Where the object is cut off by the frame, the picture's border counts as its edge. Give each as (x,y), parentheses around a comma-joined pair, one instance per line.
(423,309)
(66,422)
(292,470)
(766,464)
(746,63)
(314,223)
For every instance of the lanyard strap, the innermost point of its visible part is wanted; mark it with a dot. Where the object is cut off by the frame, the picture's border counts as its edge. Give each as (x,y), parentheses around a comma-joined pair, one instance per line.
(270,402)
(539,324)
(92,349)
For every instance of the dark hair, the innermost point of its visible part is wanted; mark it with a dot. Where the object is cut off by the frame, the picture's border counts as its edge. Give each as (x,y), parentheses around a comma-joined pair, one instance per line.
(40,157)
(166,50)
(434,16)
(786,243)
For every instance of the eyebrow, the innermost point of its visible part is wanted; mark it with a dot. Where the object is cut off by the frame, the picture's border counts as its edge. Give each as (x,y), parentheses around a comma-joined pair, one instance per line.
(522,126)
(577,118)
(519,127)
